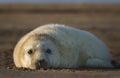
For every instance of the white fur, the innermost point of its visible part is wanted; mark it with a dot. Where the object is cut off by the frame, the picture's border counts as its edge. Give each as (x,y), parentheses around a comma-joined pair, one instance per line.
(71,48)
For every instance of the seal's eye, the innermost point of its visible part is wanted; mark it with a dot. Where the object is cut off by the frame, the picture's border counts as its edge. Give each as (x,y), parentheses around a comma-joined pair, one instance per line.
(30,51)
(48,51)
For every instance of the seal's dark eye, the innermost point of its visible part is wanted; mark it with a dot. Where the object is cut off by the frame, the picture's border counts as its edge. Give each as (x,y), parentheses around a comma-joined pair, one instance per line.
(48,51)
(30,51)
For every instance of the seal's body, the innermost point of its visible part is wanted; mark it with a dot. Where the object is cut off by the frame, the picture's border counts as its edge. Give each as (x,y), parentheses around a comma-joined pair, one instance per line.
(59,46)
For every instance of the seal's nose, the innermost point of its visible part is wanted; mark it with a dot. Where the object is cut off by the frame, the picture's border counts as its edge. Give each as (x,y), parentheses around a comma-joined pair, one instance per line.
(41,63)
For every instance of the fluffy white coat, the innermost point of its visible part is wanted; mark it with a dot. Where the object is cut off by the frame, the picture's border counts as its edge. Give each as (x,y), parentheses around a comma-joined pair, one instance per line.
(71,48)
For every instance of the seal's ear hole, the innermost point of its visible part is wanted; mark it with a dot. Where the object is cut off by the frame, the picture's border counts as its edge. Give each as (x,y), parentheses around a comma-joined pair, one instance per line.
(48,51)
(30,51)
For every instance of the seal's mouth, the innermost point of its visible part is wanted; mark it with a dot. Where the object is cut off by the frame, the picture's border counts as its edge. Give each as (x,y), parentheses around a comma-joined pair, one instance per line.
(41,64)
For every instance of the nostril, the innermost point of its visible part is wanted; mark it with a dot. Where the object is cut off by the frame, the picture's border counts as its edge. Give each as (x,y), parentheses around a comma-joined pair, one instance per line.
(41,61)
(41,64)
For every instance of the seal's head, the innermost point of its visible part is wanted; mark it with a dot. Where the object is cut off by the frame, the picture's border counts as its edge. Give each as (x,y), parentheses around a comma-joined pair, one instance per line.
(36,51)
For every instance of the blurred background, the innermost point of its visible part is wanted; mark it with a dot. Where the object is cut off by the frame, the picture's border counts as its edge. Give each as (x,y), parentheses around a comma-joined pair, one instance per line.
(59,1)
(18,17)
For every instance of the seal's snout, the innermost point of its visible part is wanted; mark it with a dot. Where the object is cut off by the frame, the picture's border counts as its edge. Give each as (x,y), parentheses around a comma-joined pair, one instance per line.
(41,64)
